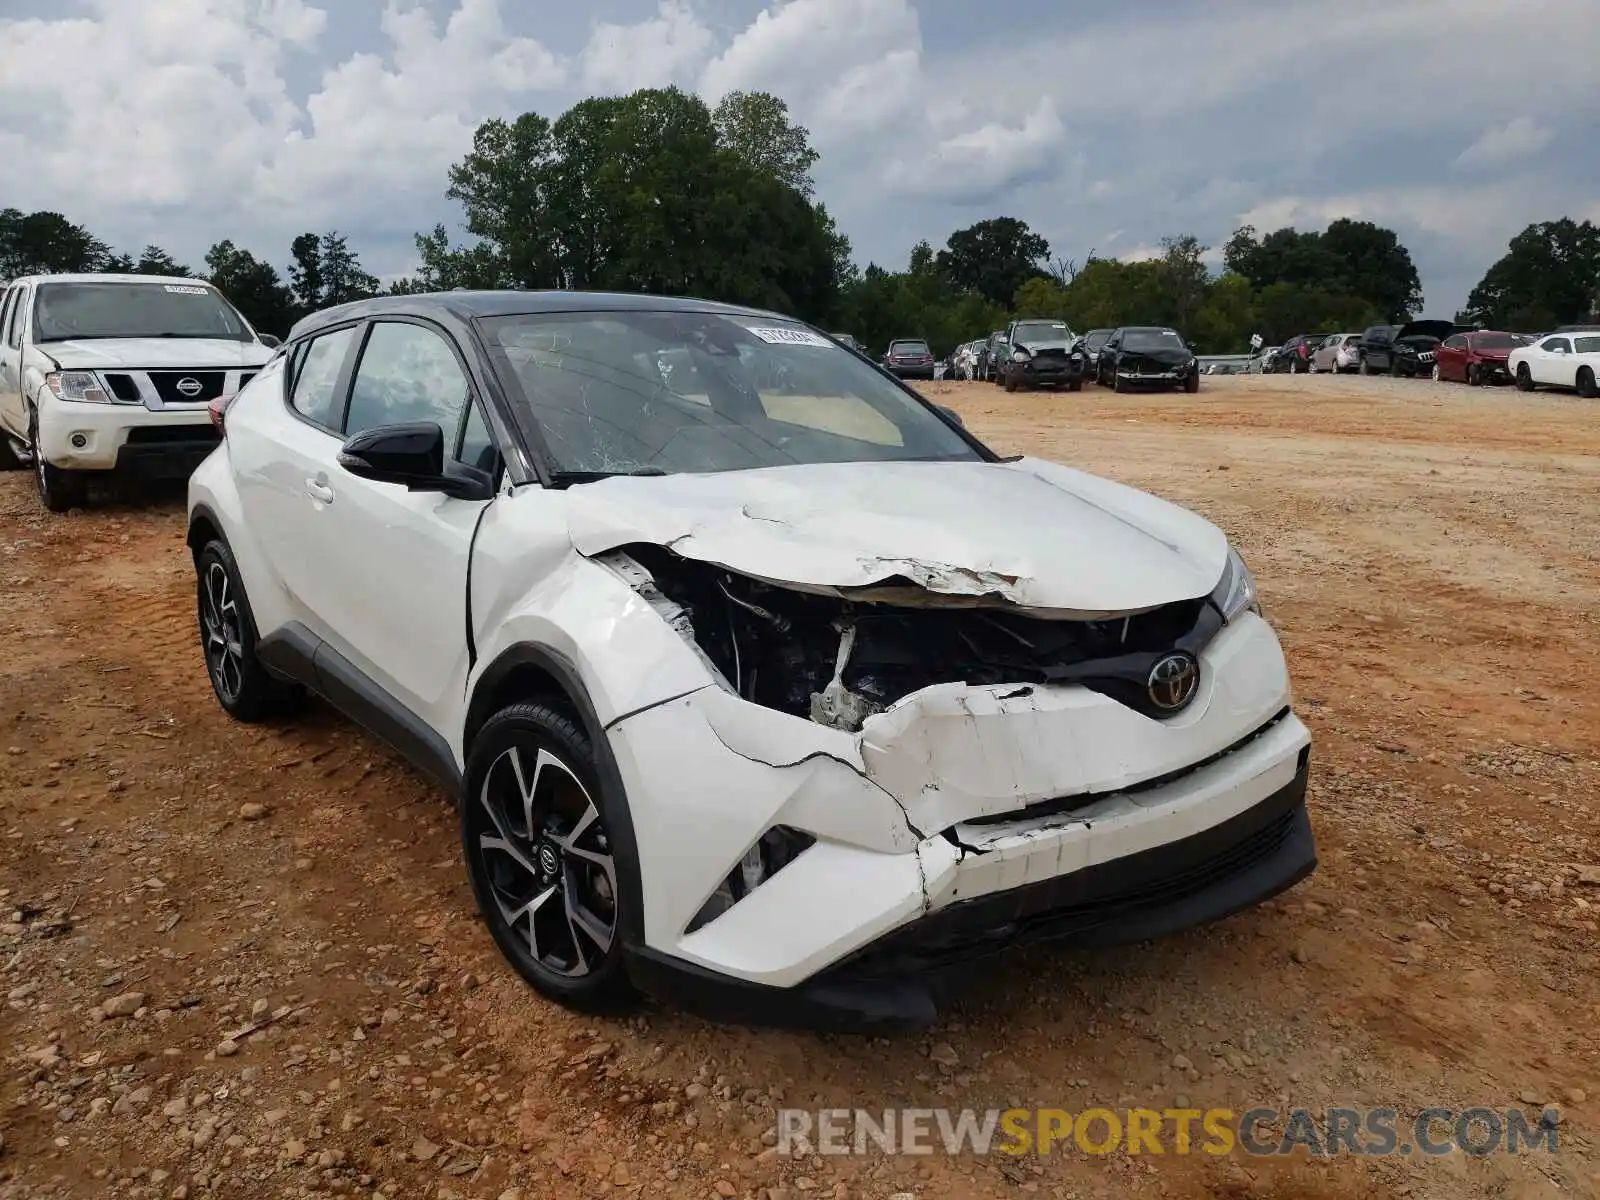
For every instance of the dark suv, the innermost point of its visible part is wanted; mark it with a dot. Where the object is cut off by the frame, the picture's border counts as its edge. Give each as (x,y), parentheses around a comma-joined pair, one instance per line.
(1044,353)
(909,358)
(1295,354)
(1382,353)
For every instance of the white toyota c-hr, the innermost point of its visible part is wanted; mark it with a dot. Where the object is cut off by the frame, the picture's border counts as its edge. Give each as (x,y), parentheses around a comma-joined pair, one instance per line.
(762,684)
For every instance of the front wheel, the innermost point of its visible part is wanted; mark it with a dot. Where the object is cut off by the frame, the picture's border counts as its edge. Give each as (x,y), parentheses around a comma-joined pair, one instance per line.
(1192,384)
(59,490)
(1435,373)
(541,859)
(1011,381)
(1362,368)
(1524,378)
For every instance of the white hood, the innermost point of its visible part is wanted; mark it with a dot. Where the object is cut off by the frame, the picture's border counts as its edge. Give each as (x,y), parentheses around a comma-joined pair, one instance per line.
(138,354)
(1029,533)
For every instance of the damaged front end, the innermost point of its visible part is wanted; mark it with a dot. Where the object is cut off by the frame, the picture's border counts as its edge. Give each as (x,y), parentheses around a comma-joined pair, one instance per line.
(839,659)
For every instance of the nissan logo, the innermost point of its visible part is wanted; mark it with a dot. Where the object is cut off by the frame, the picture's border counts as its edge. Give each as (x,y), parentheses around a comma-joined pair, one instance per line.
(1173,681)
(189,386)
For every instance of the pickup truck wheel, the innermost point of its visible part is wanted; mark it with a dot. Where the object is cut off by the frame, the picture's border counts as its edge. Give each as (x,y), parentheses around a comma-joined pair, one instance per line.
(12,454)
(244,688)
(543,865)
(1075,386)
(59,490)
(1524,379)
(1586,387)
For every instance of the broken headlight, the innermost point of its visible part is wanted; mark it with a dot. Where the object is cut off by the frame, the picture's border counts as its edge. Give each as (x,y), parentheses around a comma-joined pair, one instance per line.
(774,850)
(1236,594)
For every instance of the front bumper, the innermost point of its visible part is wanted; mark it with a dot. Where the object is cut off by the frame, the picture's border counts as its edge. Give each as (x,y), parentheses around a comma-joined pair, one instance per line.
(959,821)
(898,981)
(125,437)
(1048,372)
(1493,370)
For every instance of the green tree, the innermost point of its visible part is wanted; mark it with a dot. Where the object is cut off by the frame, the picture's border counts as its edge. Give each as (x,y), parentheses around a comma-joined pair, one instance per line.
(324,271)
(636,193)
(1185,278)
(994,258)
(756,127)
(1226,318)
(1549,275)
(45,243)
(253,286)
(1354,258)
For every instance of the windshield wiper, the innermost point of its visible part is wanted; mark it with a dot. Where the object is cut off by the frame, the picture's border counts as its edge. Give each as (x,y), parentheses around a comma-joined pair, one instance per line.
(592,476)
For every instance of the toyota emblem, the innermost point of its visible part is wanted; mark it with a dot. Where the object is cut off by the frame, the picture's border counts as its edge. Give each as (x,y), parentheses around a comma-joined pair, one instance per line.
(190,386)
(1173,681)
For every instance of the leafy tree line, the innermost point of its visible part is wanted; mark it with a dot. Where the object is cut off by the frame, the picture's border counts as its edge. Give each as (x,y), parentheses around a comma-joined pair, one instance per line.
(658,192)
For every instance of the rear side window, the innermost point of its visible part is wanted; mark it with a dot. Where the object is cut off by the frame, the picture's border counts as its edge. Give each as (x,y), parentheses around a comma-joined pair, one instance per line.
(316,377)
(1588,345)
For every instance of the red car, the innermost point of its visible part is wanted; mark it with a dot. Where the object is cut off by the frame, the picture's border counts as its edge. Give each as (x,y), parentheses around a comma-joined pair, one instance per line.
(1477,358)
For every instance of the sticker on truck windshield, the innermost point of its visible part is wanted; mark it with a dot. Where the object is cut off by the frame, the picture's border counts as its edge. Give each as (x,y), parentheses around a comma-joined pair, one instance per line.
(184,289)
(791,337)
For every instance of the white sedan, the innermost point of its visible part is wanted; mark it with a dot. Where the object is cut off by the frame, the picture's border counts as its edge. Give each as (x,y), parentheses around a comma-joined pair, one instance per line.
(1561,360)
(761,683)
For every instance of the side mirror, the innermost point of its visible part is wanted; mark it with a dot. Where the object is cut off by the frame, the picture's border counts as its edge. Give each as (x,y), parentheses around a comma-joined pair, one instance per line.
(412,455)
(952,414)
(271,341)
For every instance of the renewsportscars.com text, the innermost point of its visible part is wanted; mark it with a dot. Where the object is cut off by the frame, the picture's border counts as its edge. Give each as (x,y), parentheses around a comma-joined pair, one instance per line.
(1366,1132)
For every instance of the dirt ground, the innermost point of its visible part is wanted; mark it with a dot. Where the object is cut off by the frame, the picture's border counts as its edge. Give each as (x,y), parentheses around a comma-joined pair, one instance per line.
(168,880)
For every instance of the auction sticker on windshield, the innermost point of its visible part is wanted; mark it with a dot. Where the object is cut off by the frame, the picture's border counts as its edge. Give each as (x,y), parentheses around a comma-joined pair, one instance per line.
(791,337)
(184,289)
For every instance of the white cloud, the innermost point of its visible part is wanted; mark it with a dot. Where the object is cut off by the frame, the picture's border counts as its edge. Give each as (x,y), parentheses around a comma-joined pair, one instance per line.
(1518,138)
(665,49)
(987,160)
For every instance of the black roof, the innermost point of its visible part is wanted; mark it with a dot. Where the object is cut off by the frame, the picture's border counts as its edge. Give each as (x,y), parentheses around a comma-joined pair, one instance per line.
(469,305)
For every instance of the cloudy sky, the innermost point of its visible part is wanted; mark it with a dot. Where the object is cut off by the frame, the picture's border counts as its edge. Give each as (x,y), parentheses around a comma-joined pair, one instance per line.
(1103,125)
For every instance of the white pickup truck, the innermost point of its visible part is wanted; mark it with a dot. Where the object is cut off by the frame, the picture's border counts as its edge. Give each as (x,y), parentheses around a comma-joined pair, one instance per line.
(103,373)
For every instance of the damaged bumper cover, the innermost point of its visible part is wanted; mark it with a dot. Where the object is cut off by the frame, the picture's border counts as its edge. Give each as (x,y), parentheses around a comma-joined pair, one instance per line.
(960,821)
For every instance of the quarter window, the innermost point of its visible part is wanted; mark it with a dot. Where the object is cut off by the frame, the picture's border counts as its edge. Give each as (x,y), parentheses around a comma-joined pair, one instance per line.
(316,377)
(1588,345)
(407,374)
(477,445)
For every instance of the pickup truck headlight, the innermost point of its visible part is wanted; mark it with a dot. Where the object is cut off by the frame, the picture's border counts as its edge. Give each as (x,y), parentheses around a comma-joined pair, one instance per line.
(1236,593)
(1020,356)
(81,386)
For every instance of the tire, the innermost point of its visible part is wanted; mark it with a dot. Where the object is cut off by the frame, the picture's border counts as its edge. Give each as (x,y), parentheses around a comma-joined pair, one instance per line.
(1075,386)
(1011,381)
(1192,384)
(1362,368)
(554,876)
(12,457)
(1437,378)
(1472,377)
(1524,379)
(1116,383)
(59,490)
(247,691)
(1585,382)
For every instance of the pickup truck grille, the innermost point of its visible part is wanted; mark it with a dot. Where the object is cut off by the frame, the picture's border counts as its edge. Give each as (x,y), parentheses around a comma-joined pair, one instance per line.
(167,385)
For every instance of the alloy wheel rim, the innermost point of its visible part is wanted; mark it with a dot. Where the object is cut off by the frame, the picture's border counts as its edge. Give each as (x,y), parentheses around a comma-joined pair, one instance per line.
(219,614)
(547,861)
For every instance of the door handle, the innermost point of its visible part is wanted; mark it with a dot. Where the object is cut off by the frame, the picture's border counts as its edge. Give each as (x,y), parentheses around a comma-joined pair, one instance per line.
(320,491)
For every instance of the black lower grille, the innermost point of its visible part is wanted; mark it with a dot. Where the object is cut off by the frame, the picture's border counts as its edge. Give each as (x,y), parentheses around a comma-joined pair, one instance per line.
(166,435)
(188,387)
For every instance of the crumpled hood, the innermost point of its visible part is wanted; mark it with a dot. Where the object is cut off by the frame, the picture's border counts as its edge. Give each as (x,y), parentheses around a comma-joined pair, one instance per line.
(1030,533)
(1038,344)
(107,354)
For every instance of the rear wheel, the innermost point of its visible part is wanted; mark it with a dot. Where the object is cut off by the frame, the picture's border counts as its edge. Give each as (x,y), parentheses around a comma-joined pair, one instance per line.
(244,688)
(541,860)
(1586,387)
(59,490)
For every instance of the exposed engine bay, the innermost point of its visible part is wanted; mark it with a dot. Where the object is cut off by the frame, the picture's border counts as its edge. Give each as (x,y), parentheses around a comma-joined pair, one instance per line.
(838,661)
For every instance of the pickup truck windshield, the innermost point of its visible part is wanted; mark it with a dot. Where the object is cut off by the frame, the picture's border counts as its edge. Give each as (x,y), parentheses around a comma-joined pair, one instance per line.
(68,311)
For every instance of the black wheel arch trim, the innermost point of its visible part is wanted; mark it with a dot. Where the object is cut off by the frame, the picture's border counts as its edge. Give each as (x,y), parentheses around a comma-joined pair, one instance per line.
(613,795)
